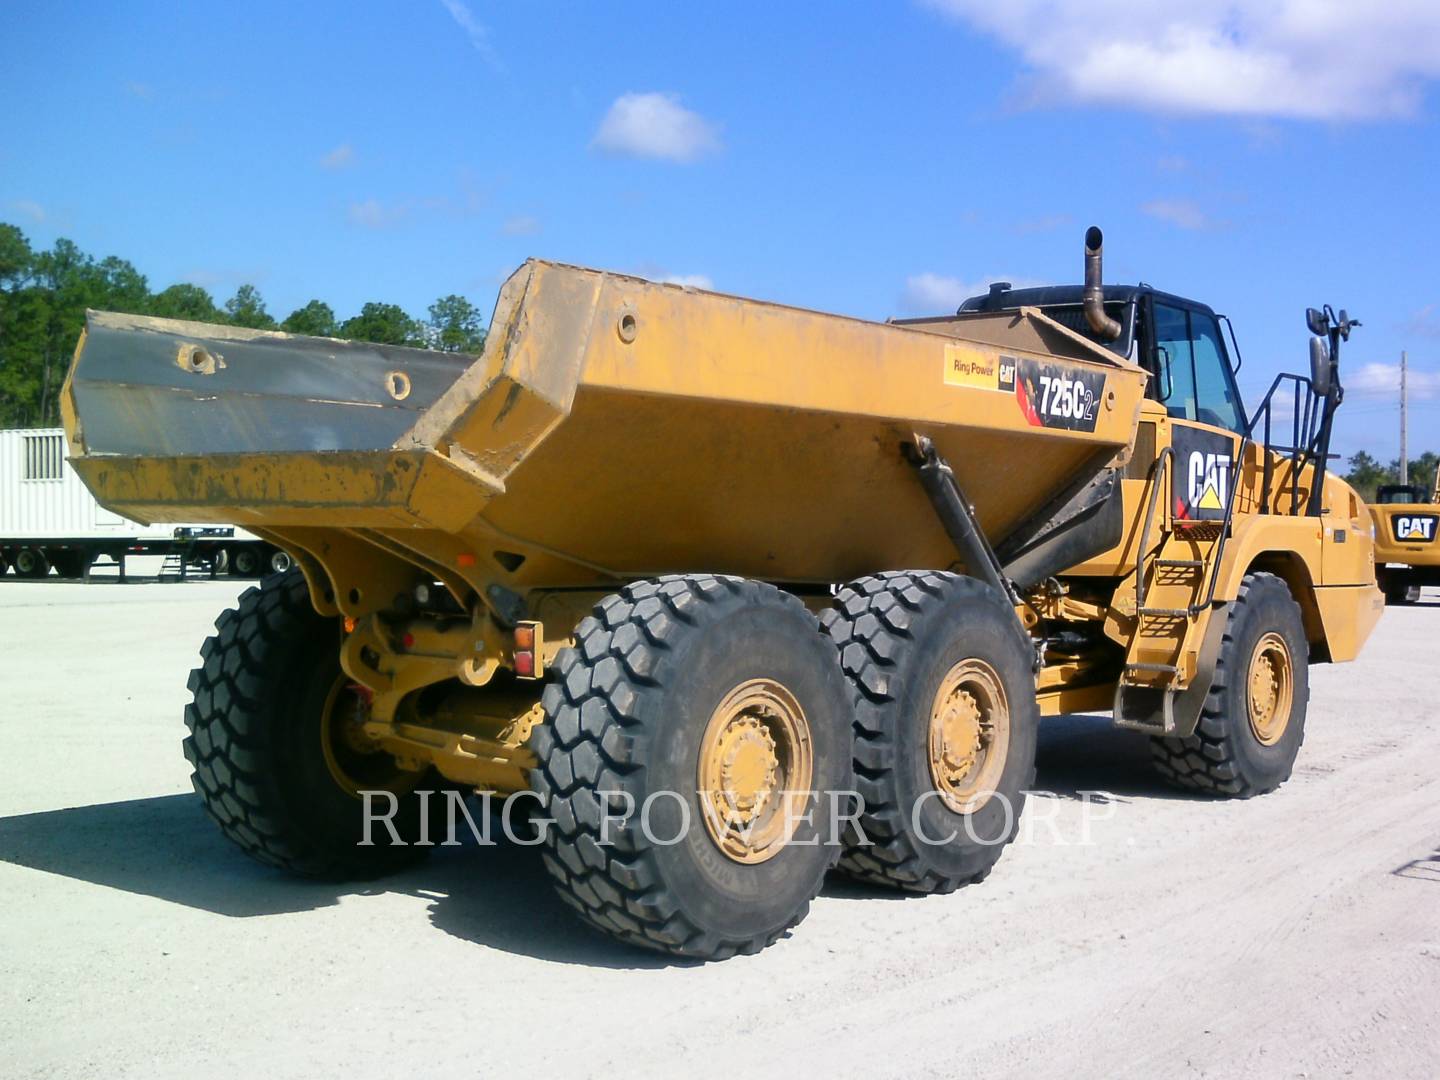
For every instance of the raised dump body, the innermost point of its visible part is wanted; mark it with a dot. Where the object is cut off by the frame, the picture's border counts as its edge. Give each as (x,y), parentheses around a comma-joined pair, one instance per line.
(613,428)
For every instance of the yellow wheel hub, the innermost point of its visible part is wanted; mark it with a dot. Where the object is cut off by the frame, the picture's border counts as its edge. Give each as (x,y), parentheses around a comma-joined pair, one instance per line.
(355,763)
(969,735)
(1271,689)
(756,763)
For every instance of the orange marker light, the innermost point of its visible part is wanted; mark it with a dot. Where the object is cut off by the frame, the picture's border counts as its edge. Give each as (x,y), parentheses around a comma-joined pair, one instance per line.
(465,558)
(349,624)
(525,637)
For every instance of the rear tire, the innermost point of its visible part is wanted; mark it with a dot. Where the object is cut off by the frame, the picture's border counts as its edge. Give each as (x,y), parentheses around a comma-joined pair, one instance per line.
(244,562)
(1241,747)
(31,563)
(71,564)
(637,708)
(270,766)
(944,705)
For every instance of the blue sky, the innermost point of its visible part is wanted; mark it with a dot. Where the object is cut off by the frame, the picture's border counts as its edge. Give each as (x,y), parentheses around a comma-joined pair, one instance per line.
(863,158)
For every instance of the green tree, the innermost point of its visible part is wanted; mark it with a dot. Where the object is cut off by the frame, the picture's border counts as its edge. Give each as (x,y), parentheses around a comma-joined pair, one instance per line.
(186,302)
(1366,474)
(384,324)
(455,325)
(246,308)
(316,319)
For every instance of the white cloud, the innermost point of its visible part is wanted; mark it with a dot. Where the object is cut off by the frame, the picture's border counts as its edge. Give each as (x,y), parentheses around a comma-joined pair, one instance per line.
(520,225)
(1383,381)
(937,294)
(690,281)
(342,157)
(655,126)
(31,210)
(475,30)
(1426,321)
(1308,59)
(373,214)
(1182,213)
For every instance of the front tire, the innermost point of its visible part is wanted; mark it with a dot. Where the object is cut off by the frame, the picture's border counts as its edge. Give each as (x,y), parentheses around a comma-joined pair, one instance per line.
(676,686)
(1253,720)
(946,725)
(272,761)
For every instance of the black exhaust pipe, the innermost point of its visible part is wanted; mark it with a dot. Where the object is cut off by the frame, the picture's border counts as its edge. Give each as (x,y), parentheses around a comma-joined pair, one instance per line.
(1107,328)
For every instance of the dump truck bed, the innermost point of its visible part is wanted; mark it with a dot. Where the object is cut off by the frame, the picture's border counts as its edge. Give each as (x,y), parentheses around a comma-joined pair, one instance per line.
(612,428)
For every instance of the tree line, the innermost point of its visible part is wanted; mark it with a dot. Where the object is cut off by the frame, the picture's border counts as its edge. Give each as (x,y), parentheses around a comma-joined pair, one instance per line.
(1367,474)
(44,295)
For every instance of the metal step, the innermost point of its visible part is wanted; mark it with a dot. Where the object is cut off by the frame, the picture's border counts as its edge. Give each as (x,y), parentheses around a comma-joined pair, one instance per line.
(1136,665)
(1173,613)
(1191,563)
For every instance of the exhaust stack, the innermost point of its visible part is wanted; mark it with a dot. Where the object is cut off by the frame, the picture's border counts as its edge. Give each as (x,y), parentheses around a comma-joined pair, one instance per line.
(1102,324)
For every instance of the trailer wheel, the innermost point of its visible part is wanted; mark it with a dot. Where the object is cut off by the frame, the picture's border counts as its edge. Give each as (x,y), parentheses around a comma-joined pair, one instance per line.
(689,732)
(244,562)
(280,561)
(31,563)
(275,759)
(946,723)
(71,564)
(1253,721)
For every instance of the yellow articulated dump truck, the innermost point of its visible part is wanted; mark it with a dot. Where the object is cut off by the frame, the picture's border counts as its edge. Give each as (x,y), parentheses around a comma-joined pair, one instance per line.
(730,592)
(1406,555)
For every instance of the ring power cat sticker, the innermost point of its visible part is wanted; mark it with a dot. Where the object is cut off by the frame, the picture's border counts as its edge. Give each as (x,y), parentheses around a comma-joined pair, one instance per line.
(1203,461)
(1058,396)
(1414,528)
(966,365)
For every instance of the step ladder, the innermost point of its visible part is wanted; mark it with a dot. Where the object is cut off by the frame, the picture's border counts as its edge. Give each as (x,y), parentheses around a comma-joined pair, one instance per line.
(1174,587)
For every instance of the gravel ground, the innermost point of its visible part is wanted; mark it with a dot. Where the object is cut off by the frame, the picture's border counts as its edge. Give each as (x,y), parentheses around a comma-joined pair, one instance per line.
(1139,933)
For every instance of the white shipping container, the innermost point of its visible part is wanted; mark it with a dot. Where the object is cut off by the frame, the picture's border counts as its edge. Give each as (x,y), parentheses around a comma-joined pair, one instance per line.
(42,497)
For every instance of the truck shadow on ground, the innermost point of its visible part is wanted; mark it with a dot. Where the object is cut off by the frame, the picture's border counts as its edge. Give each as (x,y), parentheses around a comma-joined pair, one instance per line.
(497,896)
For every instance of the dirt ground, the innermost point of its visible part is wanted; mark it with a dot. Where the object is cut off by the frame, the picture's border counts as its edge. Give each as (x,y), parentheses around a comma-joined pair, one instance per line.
(1138,933)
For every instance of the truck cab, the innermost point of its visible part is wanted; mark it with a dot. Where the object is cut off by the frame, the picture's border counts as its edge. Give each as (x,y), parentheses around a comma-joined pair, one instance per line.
(1177,341)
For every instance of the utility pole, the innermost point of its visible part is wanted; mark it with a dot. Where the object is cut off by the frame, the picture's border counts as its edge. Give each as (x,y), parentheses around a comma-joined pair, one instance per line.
(1404,450)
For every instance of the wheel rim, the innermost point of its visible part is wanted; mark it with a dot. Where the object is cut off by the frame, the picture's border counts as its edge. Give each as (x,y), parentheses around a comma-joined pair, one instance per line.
(1271,688)
(969,735)
(354,764)
(280,562)
(756,762)
(26,562)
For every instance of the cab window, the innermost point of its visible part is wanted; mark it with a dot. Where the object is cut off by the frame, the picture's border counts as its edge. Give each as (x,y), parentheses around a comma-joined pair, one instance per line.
(1195,381)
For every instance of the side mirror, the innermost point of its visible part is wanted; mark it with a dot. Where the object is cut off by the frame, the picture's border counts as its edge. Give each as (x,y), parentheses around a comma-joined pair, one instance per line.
(1316,321)
(1320,365)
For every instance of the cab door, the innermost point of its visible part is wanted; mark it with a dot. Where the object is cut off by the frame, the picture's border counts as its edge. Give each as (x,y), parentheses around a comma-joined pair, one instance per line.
(1195,383)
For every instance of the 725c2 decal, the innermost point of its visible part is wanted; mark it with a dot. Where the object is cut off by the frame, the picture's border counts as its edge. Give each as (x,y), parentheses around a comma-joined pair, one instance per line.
(1058,396)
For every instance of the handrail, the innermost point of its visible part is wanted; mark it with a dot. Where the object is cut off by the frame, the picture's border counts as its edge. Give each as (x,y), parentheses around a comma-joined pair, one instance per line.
(1157,474)
(1307,429)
